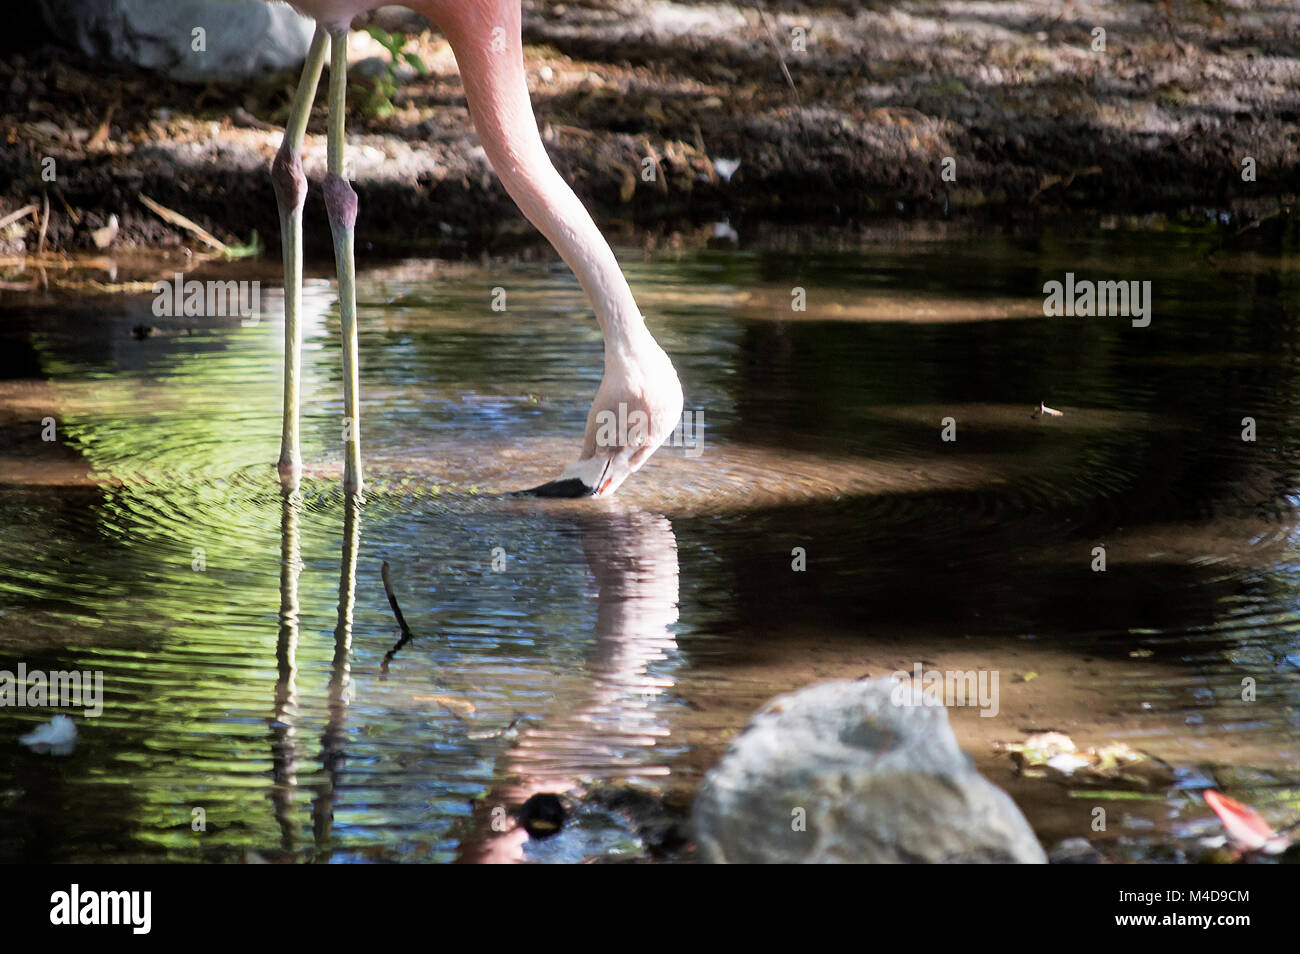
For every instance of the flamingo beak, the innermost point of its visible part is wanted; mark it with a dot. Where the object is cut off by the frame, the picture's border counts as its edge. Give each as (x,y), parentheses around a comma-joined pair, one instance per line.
(573,486)
(568,487)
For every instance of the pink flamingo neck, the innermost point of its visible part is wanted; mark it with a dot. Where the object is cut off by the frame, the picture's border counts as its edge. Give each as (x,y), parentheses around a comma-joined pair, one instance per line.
(485,38)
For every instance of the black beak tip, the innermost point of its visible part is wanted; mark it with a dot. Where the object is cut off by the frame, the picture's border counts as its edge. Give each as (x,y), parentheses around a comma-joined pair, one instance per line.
(570,487)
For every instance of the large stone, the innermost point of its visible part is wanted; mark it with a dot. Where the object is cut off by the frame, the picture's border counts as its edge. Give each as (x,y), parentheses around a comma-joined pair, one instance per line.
(877,782)
(240,37)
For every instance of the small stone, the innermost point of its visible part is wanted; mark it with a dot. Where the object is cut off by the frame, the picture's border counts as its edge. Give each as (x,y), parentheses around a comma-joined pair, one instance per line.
(542,815)
(1075,851)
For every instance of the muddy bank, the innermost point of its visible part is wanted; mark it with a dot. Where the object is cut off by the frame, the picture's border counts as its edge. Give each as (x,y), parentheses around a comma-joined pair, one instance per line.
(1035,120)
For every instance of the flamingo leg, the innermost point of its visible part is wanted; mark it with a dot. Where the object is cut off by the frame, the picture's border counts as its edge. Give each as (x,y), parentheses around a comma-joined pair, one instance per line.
(290,194)
(341,204)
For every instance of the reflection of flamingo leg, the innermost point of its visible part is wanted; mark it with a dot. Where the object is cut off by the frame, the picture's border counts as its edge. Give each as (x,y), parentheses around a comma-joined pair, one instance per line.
(340,695)
(284,749)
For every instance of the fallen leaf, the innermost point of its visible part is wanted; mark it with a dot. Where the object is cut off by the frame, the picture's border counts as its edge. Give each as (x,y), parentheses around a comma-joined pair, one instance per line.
(458,706)
(1246,827)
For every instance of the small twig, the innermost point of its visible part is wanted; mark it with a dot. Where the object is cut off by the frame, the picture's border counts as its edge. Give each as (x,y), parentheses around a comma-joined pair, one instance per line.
(407,635)
(13,217)
(45,224)
(1064,181)
(392,599)
(660,180)
(798,100)
(1256,223)
(573,131)
(771,35)
(72,213)
(242,117)
(101,134)
(699,141)
(175,218)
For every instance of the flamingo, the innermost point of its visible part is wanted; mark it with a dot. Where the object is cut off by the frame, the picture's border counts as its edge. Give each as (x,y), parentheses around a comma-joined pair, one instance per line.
(639,388)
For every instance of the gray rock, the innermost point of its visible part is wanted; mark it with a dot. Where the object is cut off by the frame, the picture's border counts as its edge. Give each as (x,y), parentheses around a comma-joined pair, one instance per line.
(876,782)
(1075,851)
(241,37)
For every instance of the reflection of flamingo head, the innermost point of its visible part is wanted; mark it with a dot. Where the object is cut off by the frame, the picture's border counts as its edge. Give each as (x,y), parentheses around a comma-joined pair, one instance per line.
(637,408)
(602,716)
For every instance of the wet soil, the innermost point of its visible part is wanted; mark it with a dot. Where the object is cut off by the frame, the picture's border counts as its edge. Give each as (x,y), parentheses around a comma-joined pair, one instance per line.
(1037,123)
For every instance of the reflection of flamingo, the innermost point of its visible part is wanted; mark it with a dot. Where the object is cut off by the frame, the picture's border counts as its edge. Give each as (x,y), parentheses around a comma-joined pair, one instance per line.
(633,556)
(639,400)
(284,721)
(284,729)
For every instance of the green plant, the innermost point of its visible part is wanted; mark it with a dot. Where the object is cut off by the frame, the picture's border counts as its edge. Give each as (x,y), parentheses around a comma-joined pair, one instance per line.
(379,100)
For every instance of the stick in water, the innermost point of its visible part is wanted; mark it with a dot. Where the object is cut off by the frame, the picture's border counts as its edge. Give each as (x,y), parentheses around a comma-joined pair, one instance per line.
(392,599)
(407,635)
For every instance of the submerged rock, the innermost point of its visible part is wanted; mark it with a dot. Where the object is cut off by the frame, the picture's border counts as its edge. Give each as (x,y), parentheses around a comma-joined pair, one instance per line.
(613,823)
(838,772)
(542,815)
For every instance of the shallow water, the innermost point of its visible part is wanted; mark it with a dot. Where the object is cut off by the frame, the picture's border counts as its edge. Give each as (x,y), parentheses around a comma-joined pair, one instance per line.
(245,636)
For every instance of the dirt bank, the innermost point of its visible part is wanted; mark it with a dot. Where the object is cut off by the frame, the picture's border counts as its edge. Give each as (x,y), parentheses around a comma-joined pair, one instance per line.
(1036,121)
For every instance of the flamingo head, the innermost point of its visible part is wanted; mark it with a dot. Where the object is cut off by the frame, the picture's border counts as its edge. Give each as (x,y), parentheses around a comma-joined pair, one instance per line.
(637,408)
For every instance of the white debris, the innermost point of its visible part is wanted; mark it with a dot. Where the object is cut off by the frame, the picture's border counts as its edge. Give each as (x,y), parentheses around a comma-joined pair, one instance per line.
(1067,762)
(56,737)
(723,230)
(725,168)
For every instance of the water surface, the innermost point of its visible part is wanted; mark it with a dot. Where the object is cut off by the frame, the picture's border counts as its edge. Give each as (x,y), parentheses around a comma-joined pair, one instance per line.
(246,641)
